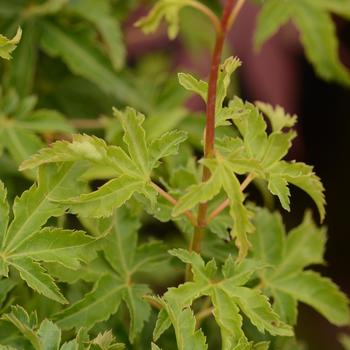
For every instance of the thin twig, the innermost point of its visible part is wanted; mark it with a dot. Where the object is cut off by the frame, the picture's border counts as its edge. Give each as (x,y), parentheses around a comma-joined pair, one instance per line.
(208,12)
(88,123)
(226,202)
(235,12)
(201,315)
(173,201)
(150,300)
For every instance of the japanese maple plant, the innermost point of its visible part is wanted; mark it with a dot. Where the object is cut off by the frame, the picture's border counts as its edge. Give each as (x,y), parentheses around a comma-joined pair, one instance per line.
(236,275)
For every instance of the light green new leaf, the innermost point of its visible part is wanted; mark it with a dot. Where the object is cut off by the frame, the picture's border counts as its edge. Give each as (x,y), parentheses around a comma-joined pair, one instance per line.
(135,137)
(302,176)
(226,313)
(24,323)
(105,199)
(251,126)
(230,65)
(82,147)
(162,324)
(277,147)
(165,146)
(8,45)
(238,212)
(279,187)
(229,298)
(200,87)
(105,341)
(190,83)
(200,193)
(258,309)
(278,118)
(85,147)
(155,347)
(167,9)
(50,335)
(184,323)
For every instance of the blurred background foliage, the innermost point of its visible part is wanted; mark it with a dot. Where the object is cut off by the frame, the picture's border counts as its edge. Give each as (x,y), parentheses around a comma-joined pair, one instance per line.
(78,58)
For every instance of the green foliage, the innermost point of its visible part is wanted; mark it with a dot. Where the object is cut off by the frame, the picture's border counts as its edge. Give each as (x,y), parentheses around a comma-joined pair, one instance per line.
(81,230)
(47,335)
(285,278)
(317,31)
(125,259)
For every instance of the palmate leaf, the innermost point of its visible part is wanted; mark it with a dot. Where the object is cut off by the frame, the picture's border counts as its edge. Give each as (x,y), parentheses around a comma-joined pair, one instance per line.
(261,154)
(130,171)
(26,244)
(8,45)
(184,323)
(286,279)
(166,145)
(47,335)
(135,137)
(229,297)
(116,283)
(317,32)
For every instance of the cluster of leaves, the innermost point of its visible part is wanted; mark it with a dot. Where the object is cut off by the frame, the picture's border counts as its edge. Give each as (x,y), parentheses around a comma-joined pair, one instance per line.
(47,335)
(79,241)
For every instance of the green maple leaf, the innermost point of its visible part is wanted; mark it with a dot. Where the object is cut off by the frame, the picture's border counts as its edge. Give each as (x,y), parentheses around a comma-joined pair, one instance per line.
(286,279)
(115,283)
(224,178)
(229,298)
(25,244)
(261,154)
(317,31)
(132,169)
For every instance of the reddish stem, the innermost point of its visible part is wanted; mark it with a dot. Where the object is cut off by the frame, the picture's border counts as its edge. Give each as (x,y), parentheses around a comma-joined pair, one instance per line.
(210,117)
